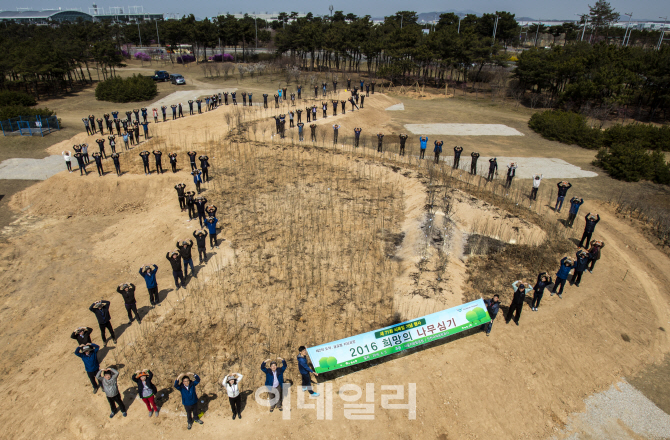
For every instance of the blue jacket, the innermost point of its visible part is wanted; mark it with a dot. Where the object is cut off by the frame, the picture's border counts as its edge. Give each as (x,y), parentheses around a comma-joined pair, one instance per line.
(197,178)
(564,271)
(269,379)
(188,396)
(150,278)
(423,142)
(303,366)
(102,314)
(492,308)
(575,203)
(91,361)
(211,225)
(438,147)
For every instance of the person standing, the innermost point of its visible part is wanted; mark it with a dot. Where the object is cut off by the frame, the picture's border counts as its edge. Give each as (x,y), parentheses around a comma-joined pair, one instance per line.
(324,107)
(144,114)
(265,100)
(244,99)
(149,275)
(562,276)
(563,188)
(493,307)
(575,203)
(145,128)
(231,384)
(290,118)
(98,163)
(181,112)
(423,142)
(335,103)
(174,111)
(107,379)
(520,290)
(101,310)
(197,179)
(225,98)
(250,102)
(473,163)
(304,369)
(185,253)
(437,150)
(403,139)
(233,95)
(112,143)
(177,273)
(84,151)
(493,168)
(81,163)
(300,131)
(594,253)
(343,103)
(181,195)
(82,335)
(211,222)
(362,100)
(308,112)
(457,156)
(274,380)
(101,147)
(88,353)
(200,204)
(336,128)
(543,280)
(190,204)
(159,166)
(145,161)
(117,163)
(87,126)
(314,113)
(511,172)
(204,166)
(299,114)
(200,238)
(581,263)
(137,114)
(68,160)
(313,129)
(537,178)
(127,291)
(357,136)
(146,390)
(192,155)
(189,397)
(590,226)
(380,141)
(99,121)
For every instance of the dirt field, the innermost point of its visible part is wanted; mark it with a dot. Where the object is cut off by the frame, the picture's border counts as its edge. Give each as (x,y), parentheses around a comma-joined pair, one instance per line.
(320,241)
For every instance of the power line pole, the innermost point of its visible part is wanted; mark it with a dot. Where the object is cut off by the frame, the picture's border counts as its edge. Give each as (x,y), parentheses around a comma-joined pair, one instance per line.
(459,23)
(537,31)
(140,33)
(495,28)
(159,36)
(660,40)
(626,37)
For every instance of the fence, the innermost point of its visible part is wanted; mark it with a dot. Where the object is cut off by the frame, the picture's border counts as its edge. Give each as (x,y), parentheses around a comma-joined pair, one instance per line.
(30,125)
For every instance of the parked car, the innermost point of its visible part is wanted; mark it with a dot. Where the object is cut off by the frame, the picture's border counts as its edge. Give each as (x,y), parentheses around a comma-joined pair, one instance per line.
(161,75)
(177,79)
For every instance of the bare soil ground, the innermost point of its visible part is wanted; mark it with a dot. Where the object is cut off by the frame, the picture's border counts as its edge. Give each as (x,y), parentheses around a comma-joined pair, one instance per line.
(286,210)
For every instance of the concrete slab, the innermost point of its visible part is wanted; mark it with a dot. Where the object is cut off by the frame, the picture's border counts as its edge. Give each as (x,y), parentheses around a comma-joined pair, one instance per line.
(396,107)
(463,129)
(33,169)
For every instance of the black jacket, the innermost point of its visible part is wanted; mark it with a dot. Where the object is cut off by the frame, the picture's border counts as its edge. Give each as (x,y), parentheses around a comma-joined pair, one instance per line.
(102,313)
(200,204)
(591,224)
(582,262)
(519,296)
(493,165)
(83,339)
(147,383)
(541,285)
(200,239)
(563,190)
(129,296)
(180,191)
(185,250)
(174,262)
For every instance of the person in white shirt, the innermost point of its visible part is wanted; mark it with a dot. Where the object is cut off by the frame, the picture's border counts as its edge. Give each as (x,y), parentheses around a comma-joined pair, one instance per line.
(68,160)
(231,383)
(537,178)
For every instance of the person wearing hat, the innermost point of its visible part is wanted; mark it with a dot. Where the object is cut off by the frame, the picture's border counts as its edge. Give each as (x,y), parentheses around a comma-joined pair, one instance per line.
(543,280)
(89,355)
(200,238)
(591,222)
(511,172)
(149,275)
(82,335)
(582,261)
(274,380)
(493,307)
(493,168)
(185,253)
(107,379)
(127,291)
(101,310)
(563,188)
(146,390)
(175,261)
(594,253)
(305,370)
(189,397)
(231,384)
(537,179)
(211,222)
(562,275)
(521,288)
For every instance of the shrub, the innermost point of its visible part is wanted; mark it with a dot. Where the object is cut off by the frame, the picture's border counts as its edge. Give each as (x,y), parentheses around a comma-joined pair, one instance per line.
(13,111)
(8,97)
(566,127)
(186,58)
(142,56)
(632,162)
(649,137)
(135,88)
(221,57)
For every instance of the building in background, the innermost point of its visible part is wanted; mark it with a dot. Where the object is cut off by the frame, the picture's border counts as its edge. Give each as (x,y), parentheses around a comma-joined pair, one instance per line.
(118,14)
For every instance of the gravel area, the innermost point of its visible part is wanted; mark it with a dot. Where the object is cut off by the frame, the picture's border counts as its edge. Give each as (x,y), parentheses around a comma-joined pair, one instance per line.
(33,169)
(462,129)
(614,414)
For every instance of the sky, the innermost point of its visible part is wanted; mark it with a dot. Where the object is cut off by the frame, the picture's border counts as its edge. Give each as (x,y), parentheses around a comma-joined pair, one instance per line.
(543,10)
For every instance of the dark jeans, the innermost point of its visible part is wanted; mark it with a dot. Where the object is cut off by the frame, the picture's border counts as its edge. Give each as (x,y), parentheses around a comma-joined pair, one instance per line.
(91,377)
(133,308)
(236,403)
(159,167)
(487,327)
(153,295)
(69,165)
(585,237)
(178,275)
(559,282)
(205,175)
(188,262)
(193,166)
(514,308)
(559,203)
(202,254)
(107,325)
(457,161)
(537,297)
(533,194)
(191,413)
(356,140)
(422,153)
(593,263)
(191,211)
(118,169)
(116,400)
(174,166)
(146,167)
(437,157)
(473,169)
(402,150)
(212,240)
(490,175)
(201,217)
(577,277)
(571,219)
(508,183)
(100,170)
(281,397)
(306,383)
(182,202)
